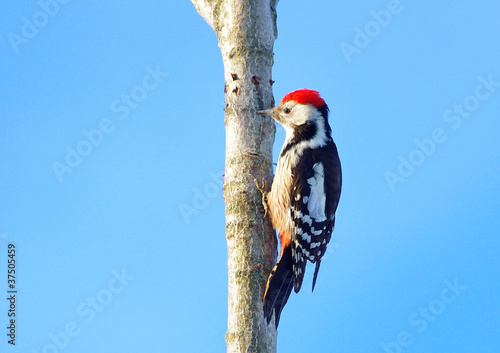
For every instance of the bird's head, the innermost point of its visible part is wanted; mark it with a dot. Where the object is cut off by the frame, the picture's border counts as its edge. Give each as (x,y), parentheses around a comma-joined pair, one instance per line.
(301,112)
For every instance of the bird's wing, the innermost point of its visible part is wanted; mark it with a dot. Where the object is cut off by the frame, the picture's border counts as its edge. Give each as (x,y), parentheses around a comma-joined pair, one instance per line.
(314,199)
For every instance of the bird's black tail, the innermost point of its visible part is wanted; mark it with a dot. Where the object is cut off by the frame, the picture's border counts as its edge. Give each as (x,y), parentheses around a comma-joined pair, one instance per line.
(279,286)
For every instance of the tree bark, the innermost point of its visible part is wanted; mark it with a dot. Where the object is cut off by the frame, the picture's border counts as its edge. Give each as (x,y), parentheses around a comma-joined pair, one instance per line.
(246,30)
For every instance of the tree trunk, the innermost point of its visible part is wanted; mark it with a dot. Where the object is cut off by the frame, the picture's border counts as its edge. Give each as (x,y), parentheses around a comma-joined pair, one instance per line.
(246,30)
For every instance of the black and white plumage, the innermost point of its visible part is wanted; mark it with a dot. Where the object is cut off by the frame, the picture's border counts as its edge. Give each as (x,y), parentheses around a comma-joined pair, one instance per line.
(304,194)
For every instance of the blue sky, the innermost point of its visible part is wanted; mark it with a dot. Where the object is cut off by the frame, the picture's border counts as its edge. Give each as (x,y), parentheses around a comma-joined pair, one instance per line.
(112,127)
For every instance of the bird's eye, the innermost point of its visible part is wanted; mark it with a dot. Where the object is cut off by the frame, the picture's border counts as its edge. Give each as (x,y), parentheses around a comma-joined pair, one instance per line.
(286,110)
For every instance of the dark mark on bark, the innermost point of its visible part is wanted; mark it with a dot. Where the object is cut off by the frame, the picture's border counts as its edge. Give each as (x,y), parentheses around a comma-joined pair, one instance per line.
(256,80)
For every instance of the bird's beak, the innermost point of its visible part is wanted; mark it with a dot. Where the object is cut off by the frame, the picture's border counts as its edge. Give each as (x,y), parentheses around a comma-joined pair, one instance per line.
(268,112)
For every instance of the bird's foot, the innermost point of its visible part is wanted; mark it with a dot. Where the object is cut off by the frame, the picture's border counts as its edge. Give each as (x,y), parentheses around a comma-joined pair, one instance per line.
(262,188)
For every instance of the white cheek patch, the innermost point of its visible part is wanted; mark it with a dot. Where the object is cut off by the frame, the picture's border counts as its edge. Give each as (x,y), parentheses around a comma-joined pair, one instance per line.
(301,113)
(317,199)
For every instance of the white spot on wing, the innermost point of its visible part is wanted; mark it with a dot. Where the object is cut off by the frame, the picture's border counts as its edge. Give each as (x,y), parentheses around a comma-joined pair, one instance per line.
(317,199)
(315,245)
(316,232)
(296,213)
(306,219)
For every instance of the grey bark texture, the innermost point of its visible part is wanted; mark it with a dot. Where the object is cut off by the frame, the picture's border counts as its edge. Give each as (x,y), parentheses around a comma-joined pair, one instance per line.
(246,30)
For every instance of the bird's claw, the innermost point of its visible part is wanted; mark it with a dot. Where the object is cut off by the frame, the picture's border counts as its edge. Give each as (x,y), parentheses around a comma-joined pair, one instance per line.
(262,188)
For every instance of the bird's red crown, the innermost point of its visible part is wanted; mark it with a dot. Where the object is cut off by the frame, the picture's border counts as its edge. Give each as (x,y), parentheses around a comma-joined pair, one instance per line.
(305,96)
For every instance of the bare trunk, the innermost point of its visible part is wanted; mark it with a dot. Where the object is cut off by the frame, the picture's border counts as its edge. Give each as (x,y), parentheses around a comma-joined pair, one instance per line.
(246,30)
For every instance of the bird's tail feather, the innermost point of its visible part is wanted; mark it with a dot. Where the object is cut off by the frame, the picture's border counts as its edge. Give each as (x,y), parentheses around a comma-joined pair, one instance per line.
(279,286)
(316,270)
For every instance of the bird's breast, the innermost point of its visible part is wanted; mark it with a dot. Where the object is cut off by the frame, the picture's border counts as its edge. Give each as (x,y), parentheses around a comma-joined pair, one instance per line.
(278,200)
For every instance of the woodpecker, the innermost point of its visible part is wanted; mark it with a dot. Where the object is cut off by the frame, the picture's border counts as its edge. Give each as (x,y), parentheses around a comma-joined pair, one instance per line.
(304,194)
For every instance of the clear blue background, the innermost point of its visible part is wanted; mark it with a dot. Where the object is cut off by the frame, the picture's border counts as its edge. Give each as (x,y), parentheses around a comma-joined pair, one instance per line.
(393,250)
